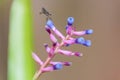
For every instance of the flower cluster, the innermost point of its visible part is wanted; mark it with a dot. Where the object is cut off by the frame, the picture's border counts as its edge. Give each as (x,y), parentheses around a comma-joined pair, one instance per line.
(67,40)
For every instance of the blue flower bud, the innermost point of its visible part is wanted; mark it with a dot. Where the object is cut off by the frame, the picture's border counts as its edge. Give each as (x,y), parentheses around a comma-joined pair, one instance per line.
(58,66)
(50,24)
(89,31)
(70,20)
(87,43)
(80,40)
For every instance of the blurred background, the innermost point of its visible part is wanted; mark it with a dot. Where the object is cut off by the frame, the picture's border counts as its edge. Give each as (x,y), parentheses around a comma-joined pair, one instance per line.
(101,61)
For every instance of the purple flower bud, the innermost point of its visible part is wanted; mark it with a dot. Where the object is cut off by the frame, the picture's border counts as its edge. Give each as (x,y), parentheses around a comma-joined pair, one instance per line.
(69,30)
(55,44)
(79,33)
(50,24)
(37,59)
(53,39)
(58,33)
(71,41)
(80,40)
(51,53)
(87,43)
(65,52)
(78,54)
(69,53)
(47,48)
(48,29)
(58,66)
(70,21)
(48,69)
(89,31)
(54,63)
(63,63)
(67,63)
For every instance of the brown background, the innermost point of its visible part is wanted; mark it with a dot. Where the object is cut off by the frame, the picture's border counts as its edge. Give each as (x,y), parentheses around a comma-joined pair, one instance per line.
(101,61)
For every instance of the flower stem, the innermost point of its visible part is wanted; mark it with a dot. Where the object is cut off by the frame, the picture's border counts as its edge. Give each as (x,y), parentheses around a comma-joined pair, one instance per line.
(48,60)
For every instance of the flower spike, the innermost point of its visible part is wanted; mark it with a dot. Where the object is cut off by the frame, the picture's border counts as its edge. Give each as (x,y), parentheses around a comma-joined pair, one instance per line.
(72,37)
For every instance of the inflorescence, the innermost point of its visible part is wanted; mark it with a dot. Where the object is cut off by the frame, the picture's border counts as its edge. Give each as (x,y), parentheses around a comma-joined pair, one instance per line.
(67,40)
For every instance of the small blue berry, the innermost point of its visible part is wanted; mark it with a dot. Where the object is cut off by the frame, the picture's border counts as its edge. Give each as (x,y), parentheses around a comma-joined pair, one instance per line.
(80,40)
(87,43)
(50,24)
(89,31)
(58,66)
(70,20)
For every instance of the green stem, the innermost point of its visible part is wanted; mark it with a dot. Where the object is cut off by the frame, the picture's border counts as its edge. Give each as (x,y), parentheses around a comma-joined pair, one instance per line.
(20,62)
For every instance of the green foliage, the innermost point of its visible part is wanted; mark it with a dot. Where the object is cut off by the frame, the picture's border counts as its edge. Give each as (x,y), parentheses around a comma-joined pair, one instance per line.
(20,62)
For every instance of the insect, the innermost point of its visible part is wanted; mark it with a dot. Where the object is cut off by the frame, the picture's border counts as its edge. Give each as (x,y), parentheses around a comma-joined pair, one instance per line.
(46,13)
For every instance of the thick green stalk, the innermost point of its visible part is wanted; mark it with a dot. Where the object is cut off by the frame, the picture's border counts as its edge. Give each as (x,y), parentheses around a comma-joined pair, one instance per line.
(20,62)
